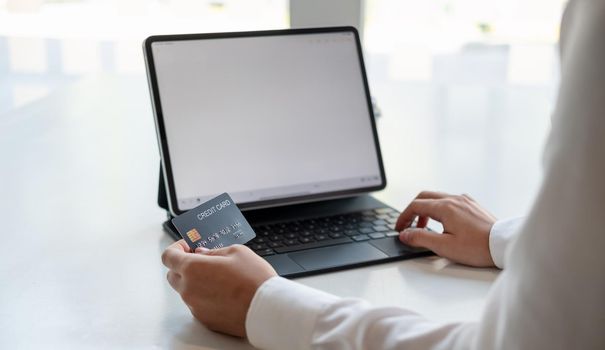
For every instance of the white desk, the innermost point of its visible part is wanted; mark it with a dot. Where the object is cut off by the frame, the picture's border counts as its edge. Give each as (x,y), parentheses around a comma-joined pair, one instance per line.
(81,235)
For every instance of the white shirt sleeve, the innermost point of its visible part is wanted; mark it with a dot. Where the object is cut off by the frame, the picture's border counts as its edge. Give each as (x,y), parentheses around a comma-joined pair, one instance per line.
(287,315)
(500,237)
(283,314)
(551,294)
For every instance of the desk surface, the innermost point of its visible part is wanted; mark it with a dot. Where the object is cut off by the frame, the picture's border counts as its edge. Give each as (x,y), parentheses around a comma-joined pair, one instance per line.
(80,259)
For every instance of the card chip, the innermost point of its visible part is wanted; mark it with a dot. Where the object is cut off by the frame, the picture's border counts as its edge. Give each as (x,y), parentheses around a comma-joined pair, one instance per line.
(193,235)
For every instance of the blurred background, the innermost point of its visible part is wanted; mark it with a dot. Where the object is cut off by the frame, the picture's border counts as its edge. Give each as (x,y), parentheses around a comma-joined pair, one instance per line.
(465,87)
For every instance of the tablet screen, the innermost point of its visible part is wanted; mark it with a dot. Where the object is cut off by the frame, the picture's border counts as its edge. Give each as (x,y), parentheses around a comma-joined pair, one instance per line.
(266,118)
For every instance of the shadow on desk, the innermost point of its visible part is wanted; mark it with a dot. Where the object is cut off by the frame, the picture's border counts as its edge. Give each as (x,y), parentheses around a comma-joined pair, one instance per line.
(438,278)
(442,267)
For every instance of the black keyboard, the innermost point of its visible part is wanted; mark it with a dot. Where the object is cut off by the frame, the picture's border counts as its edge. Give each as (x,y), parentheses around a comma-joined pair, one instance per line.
(290,236)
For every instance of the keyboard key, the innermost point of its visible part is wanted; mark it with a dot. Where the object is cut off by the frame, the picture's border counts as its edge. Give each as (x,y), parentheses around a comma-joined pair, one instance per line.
(291,242)
(379,222)
(383,216)
(260,240)
(392,221)
(365,224)
(376,235)
(275,237)
(394,215)
(305,239)
(336,235)
(380,228)
(258,246)
(265,252)
(366,230)
(306,233)
(275,244)
(291,235)
(360,238)
(392,233)
(384,210)
(313,245)
(321,237)
(351,232)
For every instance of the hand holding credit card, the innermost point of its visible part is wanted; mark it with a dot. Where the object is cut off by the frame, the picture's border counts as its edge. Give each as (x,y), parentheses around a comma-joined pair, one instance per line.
(214,224)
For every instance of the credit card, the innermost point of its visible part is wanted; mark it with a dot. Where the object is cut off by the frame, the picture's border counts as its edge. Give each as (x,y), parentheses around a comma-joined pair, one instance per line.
(214,224)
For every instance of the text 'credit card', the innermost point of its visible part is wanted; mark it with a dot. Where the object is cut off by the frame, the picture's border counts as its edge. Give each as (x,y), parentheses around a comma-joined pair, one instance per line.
(214,224)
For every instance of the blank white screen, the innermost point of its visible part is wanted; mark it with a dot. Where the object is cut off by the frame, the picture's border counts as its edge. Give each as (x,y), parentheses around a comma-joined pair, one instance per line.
(265,117)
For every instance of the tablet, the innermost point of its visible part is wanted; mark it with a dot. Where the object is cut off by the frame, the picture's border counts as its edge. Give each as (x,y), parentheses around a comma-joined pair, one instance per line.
(271,117)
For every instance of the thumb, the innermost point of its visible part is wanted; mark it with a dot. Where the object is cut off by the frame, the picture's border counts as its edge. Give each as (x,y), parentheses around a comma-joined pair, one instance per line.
(223,251)
(202,250)
(418,237)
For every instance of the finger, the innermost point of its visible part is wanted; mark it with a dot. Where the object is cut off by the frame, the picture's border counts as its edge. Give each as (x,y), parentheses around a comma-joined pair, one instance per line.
(418,207)
(174,279)
(468,197)
(201,250)
(432,195)
(422,221)
(214,252)
(417,237)
(183,245)
(173,256)
(227,251)
(180,245)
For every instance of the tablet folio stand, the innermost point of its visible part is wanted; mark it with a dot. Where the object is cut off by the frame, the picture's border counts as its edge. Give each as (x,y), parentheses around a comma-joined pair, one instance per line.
(162,197)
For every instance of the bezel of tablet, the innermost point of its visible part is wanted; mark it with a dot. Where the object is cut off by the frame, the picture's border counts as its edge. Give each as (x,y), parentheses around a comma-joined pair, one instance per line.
(161,133)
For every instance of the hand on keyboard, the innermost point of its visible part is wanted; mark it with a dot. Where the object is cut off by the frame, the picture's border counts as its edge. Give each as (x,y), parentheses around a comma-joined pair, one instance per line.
(466,227)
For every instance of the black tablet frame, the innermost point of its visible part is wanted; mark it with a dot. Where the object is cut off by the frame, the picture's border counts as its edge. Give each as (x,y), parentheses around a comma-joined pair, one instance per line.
(161,132)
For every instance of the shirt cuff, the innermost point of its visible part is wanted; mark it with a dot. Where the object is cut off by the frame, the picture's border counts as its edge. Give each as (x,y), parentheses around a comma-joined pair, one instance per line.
(282,314)
(501,234)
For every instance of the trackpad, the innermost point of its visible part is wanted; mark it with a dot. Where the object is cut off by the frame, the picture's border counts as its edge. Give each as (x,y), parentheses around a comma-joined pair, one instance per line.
(283,265)
(337,255)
